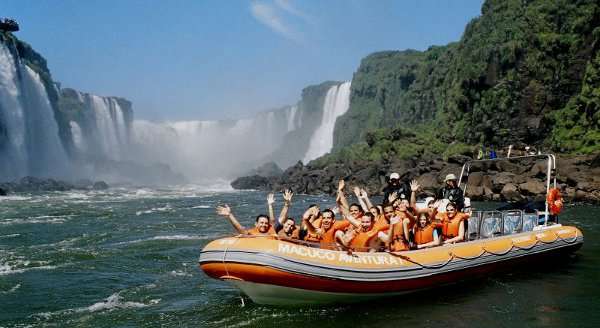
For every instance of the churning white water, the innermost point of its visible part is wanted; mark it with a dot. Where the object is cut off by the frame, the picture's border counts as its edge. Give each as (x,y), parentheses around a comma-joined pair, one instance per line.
(203,150)
(29,143)
(337,102)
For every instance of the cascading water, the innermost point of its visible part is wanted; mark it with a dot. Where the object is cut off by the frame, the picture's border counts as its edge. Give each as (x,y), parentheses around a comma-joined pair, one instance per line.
(29,144)
(205,150)
(337,102)
(291,125)
(102,131)
(106,127)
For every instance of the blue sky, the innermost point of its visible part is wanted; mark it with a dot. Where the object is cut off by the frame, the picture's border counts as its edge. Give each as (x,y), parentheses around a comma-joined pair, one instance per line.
(215,59)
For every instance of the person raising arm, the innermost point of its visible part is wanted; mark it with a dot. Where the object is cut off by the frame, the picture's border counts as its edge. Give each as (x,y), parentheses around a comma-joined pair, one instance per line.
(261,226)
(270,202)
(287,201)
(361,201)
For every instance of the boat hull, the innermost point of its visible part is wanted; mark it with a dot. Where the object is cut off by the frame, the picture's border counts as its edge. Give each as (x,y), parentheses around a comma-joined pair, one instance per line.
(277,272)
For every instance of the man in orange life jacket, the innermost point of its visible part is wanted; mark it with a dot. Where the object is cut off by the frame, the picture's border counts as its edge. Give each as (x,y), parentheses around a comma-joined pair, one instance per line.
(262,226)
(327,227)
(284,226)
(362,237)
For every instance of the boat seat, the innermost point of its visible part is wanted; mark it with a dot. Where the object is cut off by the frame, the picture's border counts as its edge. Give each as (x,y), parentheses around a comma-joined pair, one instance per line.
(512,222)
(529,221)
(491,224)
(473,223)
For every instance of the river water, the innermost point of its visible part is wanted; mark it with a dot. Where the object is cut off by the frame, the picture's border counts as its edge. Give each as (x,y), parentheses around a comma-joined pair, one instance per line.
(128,258)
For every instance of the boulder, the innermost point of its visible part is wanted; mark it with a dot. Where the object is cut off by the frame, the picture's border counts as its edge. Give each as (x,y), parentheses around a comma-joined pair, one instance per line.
(100,185)
(269,169)
(429,182)
(83,184)
(251,182)
(487,183)
(506,166)
(595,163)
(510,192)
(533,187)
(581,195)
(459,159)
(539,169)
(3,192)
(475,192)
(503,178)
(475,179)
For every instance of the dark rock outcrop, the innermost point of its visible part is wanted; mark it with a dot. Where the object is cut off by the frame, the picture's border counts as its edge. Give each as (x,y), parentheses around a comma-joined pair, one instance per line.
(34,184)
(501,181)
(251,182)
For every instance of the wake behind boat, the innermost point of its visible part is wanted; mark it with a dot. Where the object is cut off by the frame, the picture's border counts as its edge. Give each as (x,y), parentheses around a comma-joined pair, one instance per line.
(282,271)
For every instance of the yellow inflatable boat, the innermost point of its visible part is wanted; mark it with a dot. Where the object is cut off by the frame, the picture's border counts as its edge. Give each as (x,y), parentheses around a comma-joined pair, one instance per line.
(283,272)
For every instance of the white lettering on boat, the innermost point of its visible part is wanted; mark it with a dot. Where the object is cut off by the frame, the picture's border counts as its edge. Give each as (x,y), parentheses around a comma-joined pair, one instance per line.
(227,241)
(306,252)
(331,255)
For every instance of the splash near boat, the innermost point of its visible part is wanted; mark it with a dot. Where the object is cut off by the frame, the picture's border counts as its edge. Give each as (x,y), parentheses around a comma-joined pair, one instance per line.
(276,270)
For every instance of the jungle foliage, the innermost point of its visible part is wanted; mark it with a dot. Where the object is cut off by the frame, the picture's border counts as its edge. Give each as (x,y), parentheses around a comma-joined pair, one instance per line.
(524,72)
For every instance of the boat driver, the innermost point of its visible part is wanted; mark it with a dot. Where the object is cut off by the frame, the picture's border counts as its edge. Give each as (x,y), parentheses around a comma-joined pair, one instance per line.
(395,186)
(452,192)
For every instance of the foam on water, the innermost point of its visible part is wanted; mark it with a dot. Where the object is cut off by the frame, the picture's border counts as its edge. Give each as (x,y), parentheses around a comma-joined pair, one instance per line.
(113,302)
(171,237)
(20,266)
(166,208)
(10,236)
(9,198)
(44,219)
(12,290)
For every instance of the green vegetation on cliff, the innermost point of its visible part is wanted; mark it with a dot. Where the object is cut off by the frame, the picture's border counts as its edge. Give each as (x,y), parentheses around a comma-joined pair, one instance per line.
(524,72)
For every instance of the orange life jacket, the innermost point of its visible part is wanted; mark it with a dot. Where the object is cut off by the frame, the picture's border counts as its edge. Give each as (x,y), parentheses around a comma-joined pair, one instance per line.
(362,239)
(381,224)
(451,227)
(311,236)
(423,235)
(295,234)
(398,242)
(328,237)
(254,232)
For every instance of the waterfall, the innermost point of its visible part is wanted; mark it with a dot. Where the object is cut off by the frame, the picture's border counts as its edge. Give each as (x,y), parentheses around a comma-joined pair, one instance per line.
(29,142)
(106,127)
(77,134)
(291,124)
(101,131)
(202,150)
(337,102)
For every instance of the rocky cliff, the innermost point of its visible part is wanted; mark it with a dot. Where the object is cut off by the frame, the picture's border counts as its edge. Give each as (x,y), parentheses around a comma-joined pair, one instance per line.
(577,176)
(524,72)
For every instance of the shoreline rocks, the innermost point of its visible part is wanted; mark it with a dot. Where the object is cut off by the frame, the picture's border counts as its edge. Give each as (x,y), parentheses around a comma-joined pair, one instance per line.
(578,177)
(33,184)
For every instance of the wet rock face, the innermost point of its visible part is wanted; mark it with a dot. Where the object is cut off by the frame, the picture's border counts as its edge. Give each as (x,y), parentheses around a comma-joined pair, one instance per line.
(251,182)
(33,184)
(577,177)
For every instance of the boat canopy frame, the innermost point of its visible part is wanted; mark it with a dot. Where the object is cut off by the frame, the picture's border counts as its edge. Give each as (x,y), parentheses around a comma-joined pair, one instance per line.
(550,173)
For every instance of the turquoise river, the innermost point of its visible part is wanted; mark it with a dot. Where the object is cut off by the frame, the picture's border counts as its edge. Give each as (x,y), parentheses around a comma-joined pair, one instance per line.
(128,258)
